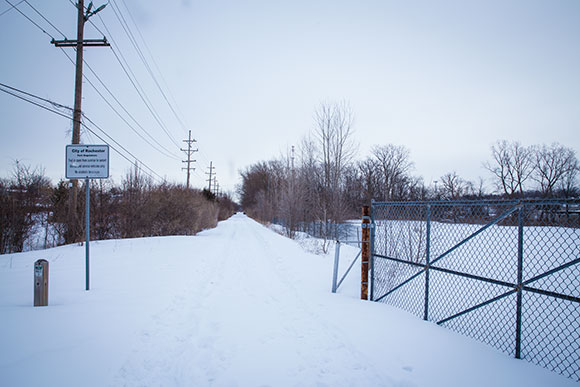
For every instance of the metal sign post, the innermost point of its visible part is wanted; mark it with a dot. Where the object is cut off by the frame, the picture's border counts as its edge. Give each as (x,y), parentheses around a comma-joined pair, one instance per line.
(88,162)
(87,230)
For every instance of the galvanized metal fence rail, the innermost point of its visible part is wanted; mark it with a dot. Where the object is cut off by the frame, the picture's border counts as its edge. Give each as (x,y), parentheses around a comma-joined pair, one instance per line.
(335,281)
(503,272)
(330,231)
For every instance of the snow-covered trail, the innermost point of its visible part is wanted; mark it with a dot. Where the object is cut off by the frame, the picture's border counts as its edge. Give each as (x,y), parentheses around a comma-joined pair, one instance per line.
(247,323)
(238,305)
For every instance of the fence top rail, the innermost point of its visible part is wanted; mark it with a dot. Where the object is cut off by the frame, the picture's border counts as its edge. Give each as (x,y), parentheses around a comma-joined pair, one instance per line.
(526,202)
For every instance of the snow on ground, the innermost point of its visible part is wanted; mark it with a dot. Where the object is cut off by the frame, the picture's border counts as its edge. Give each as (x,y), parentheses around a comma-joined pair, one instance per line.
(238,305)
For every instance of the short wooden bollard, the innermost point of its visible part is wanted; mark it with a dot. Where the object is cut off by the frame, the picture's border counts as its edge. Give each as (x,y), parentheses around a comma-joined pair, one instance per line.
(41,282)
(365,253)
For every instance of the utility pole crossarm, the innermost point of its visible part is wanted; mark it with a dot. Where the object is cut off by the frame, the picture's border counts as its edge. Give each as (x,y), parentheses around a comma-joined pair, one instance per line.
(85,43)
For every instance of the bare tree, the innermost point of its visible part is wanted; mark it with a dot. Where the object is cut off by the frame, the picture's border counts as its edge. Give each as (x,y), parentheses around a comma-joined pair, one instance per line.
(453,186)
(370,179)
(512,165)
(569,183)
(394,165)
(24,203)
(334,131)
(135,187)
(555,165)
(309,180)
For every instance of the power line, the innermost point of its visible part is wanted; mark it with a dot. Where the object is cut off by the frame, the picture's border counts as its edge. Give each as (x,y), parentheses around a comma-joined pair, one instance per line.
(142,94)
(29,19)
(14,6)
(127,68)
(131,75)
(134,81)
(146,64)
(10,9)
(33,102)
(121,146)
(45,19)
(37,97)
(14,92)
(167,151)
(145,99)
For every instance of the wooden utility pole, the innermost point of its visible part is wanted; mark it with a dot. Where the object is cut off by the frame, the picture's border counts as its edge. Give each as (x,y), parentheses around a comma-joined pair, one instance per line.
(79,43)
(365,252)
(210,173)
(189,152)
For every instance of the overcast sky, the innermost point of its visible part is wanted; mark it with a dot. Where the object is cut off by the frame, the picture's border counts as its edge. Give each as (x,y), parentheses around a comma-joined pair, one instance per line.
(444,78)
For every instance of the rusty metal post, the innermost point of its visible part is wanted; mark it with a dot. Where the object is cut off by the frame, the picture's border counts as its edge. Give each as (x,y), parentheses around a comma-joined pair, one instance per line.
(41,282)
(365,252)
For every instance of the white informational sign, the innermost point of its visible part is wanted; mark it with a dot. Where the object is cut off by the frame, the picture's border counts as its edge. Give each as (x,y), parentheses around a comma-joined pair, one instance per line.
(87,161)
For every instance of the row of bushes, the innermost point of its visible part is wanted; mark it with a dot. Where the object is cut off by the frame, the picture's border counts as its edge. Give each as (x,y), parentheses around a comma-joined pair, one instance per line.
(36,214)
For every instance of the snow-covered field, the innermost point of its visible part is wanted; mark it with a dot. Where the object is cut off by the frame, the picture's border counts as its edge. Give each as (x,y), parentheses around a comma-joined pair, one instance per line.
(238,305)
(550,325)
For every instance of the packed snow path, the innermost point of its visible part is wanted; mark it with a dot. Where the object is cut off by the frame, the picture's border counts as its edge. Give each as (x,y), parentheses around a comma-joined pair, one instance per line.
(235,306)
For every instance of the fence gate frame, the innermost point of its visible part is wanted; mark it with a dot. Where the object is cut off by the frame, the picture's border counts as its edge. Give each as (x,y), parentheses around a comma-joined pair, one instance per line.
(430,264)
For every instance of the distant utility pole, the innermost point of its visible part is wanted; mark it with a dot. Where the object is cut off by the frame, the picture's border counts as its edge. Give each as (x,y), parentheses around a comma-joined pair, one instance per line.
(210,173)
(189,152)
(79,43)
(215,184)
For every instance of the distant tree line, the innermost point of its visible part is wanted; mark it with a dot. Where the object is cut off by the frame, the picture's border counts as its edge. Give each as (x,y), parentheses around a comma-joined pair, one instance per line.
(321,182)
(31,207)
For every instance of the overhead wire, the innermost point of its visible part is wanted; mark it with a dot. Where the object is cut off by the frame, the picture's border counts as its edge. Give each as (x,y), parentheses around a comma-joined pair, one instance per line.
(119,145)
(134,80)
(14,92)
(28,98)
(127,68)
(110,105)
(146,64)
(168,154)
(175,110)
(55,104)
(10,8)
(45,19)
(165,151)
(121,58)
(144,98)
(28,18)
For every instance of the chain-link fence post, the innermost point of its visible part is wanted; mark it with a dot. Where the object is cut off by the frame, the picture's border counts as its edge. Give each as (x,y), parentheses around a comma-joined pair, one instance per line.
(372,249)
(335,271)
(427,251)
(519,283)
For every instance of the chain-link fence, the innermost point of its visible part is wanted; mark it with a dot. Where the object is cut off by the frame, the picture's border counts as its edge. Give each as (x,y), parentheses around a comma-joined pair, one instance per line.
(329,230)
(503,272)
